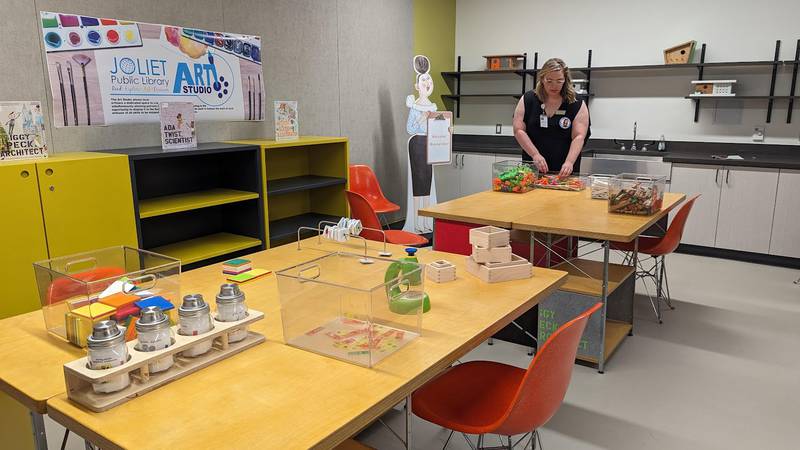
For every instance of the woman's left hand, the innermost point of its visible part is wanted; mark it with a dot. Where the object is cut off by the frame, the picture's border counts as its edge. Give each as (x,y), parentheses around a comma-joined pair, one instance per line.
(566,169)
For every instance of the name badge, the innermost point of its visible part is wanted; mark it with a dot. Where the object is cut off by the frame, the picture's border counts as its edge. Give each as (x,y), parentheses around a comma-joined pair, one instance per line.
(560,112)
(543,121)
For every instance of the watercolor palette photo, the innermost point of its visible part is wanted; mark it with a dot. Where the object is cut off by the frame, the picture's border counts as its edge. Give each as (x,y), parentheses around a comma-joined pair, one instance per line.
(247,47)
(67,32)
(353,340)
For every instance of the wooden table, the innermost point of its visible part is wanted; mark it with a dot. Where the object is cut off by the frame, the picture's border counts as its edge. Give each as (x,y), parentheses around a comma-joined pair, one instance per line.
(564,213)
(32,370)
(276,396)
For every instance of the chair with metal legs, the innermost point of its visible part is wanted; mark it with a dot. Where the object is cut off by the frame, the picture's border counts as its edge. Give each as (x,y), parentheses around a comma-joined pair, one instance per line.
(656,249)
(484,397)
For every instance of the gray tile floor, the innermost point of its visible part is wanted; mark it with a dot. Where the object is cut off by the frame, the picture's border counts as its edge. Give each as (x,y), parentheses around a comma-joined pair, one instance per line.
(721,372)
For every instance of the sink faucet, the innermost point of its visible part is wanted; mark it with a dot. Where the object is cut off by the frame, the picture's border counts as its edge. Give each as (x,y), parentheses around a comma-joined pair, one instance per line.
(633,145)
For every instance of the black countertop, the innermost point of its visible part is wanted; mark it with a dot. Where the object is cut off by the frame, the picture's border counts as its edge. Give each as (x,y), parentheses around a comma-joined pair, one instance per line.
(754,155)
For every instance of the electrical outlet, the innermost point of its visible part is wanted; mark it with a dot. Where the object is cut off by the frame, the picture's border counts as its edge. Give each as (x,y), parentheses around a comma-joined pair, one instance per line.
(758,134)
(498,128)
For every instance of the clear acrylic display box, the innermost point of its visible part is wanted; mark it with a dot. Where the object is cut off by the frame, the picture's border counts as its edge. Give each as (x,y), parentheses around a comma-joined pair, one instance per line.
(514,176)
(630,193)
(111,283)
(337,306)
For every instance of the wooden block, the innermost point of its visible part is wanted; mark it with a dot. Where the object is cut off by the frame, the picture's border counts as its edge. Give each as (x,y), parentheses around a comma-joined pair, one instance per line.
(79,378)
(489,237)
(491,255)
(441,271)
(518,268)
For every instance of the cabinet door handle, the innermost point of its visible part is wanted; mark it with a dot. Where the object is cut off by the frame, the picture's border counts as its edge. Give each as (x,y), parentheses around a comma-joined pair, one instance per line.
(727,175)
(462,160)
(24,174)
(716,177)
(48,172)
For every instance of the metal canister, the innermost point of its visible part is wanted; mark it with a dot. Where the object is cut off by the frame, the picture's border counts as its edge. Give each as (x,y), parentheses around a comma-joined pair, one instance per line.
(194,317)
(231,307)
(107,349)
(154,333)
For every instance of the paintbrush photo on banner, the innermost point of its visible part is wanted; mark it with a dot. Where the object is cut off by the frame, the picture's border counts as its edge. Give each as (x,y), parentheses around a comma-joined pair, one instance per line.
(61,88)
(84,60)
(72,91)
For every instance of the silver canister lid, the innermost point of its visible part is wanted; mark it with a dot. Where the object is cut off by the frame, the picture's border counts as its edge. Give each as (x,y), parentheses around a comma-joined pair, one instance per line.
(229,293)
(193,306)
(152,318)
(106,333)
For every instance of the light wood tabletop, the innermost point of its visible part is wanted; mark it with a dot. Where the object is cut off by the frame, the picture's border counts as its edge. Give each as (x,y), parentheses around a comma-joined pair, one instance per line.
(32,369)
(577,214)
(550,211)
(277,396)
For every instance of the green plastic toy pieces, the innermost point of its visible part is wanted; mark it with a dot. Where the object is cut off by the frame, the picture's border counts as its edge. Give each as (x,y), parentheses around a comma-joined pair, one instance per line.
(406,302)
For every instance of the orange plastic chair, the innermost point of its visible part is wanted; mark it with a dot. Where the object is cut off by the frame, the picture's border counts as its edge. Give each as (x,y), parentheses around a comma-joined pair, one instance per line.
(364,181)
(484,397)
(361,209)
(657,248)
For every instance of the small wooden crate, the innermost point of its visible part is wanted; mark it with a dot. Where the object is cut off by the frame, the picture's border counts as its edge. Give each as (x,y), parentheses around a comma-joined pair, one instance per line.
(679,54)
(491,255)
(79,378)
(489,237)
(504,62)
(441,271)
(518,268)
(703,88)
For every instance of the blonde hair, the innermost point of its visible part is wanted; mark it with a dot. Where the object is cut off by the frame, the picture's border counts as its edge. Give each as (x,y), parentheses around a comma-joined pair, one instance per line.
(550,66)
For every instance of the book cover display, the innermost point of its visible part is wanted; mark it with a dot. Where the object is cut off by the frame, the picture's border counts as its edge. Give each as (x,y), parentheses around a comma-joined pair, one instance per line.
(22,131)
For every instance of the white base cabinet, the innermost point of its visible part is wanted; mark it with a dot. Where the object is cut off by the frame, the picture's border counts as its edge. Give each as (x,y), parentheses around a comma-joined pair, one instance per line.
(785,240)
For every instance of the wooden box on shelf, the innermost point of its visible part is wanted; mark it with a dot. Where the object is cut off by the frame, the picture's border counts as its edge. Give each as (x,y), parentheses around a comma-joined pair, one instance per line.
(489,237)
(679,54)
(516,269)
(79,378)
(504,62)
(441,271)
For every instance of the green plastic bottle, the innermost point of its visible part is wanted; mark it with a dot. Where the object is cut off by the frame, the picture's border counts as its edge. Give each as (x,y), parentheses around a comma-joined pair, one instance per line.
(398,302)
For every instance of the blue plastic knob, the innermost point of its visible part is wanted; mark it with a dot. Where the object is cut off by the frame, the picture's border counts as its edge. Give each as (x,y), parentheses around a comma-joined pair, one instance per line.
(411,251)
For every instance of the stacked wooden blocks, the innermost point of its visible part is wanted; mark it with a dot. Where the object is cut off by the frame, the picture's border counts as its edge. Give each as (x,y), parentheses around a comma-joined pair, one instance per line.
(492,260)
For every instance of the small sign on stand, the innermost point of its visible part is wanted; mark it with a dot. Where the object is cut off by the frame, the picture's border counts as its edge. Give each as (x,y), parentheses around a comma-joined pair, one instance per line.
(440,137)
(22,131)
(287,126)
(177,126)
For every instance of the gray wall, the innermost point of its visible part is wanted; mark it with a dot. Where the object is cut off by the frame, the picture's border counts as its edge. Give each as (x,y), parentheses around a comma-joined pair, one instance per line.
(347,63)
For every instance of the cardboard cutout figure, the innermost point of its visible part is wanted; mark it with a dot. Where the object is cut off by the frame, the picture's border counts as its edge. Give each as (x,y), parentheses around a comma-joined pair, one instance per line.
(421,187)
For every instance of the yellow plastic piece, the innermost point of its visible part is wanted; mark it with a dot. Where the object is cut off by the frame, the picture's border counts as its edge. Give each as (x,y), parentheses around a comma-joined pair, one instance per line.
(205,247)
(22,237)
(87,202)
(94,310)
(191,200)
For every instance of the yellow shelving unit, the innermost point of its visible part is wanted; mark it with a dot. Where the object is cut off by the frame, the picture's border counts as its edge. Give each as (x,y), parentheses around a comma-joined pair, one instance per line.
(210,246)
(170,204)
(305,182)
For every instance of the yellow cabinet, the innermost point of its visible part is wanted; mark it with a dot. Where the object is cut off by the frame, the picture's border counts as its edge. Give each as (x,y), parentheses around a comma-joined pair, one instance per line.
(87,202)
(22,237)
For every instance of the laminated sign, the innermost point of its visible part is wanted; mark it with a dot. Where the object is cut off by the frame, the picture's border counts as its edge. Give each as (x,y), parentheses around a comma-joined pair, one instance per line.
(440,139)
(105,71)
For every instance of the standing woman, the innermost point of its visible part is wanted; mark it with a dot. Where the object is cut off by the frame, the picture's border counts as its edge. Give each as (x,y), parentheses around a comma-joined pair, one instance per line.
(550,123)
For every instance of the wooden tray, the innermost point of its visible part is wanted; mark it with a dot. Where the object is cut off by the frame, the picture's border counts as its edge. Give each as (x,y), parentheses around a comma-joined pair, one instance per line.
(79,378)
(489,237)
(491,255)
(516,269)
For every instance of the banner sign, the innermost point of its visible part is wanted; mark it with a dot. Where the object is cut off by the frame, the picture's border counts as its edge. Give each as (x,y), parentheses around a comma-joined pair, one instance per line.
(109,71)
(22,131)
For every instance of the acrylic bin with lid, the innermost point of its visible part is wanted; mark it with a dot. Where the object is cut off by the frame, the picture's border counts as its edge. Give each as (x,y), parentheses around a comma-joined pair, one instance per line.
(337,306)
(630,193)
(111,283)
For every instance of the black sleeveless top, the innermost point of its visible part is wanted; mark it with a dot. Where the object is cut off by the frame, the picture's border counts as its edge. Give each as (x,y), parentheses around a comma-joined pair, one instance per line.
(552,142)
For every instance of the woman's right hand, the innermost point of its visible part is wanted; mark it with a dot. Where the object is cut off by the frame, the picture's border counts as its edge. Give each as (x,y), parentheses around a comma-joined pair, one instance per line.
(540,163)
